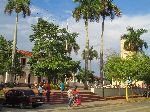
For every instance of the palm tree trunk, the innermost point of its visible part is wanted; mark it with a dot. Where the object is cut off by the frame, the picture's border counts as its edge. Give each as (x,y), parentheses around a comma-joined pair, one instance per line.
(101,53)
(86,53)
(90,65)
(14,49)
(87,43)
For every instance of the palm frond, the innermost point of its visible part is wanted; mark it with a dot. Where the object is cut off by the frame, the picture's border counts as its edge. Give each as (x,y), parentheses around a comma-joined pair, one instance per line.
(18,6)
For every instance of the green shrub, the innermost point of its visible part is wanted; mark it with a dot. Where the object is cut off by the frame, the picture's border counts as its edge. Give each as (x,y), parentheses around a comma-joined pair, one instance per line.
(10,85)
(55,86)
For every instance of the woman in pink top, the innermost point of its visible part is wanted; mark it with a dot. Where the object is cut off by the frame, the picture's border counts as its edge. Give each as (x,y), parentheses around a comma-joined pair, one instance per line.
(76,96)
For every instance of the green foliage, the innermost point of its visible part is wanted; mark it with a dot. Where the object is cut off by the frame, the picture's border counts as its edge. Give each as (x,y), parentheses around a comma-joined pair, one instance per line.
(134,68)
(94,9)
(18,6)
(82,76)
(112,67)
(10,85)
(6,60)
(108,9)
(86,9)
(50,57)
(133,41)
(5,55)
(55,86)
(142,67)
(91,54)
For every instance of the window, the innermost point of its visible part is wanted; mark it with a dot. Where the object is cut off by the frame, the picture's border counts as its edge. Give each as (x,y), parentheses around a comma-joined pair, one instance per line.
(23,61)
(29,93)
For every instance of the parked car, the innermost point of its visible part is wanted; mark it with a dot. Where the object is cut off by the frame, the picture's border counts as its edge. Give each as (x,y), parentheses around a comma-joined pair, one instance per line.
(2,98)
(23,98)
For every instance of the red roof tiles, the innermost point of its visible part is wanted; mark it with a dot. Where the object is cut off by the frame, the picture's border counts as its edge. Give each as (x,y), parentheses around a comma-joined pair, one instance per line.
(25,53)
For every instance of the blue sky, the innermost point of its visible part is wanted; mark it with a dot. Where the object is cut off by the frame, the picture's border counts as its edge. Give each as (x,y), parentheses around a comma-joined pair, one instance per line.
(133,7)
(62,8)
(136,13)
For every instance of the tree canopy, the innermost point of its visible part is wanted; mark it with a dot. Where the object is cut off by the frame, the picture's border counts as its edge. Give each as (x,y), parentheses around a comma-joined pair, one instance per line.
(89,75)
(50,56)
(18,6)
(5,58)
(134,68)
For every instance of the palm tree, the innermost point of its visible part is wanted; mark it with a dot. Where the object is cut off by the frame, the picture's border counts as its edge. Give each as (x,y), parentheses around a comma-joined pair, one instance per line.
(86,10)
(106,9)
(71,44)
(81,75)
(92,54)
(18,6)
(133,42)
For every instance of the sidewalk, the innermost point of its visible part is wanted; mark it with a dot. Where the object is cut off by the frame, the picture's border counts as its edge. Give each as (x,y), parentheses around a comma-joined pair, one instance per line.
(65,108)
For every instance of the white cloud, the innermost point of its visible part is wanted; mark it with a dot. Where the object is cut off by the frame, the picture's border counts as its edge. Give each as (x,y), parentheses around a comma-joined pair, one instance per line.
(112,34)
(113,30)
(39,12)
(7,25)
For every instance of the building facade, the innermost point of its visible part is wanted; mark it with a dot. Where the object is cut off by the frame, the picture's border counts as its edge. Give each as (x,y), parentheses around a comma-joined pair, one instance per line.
(27,76)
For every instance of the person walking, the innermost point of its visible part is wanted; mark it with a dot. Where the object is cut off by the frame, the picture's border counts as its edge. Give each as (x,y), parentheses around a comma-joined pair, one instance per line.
(70,96)
(77,96)
(48,91)
(62,87)
(40,90)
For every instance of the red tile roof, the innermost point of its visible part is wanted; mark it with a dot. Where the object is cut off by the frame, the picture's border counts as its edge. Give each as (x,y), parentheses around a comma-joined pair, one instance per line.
(25,53)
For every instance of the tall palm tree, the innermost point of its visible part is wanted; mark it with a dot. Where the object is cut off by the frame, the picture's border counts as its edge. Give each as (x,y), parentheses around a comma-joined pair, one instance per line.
(106,9)
(18,6)
(133,42)
(86,10)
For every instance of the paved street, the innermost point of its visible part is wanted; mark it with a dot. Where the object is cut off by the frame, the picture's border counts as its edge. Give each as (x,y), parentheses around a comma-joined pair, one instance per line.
(132,107)
(127,107)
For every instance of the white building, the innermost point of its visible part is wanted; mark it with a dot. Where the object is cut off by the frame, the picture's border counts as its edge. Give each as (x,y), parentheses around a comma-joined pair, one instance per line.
(27,76)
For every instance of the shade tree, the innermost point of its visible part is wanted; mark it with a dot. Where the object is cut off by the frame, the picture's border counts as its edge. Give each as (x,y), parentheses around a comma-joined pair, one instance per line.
(50,57)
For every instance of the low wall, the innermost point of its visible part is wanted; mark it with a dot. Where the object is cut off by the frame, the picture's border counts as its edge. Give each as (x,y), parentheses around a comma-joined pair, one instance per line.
(117,91)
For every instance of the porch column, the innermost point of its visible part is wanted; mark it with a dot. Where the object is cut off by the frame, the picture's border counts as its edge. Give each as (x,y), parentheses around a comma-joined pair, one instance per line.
(26,77)
(6,77)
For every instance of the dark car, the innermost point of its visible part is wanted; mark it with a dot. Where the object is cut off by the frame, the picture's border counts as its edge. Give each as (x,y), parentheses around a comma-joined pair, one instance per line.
(23,98)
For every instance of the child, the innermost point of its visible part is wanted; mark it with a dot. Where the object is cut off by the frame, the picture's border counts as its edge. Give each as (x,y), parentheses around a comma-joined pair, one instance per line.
(76,96)
(70,96)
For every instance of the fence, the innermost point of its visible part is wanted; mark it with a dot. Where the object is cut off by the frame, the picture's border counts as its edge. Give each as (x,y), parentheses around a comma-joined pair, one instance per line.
(117,91)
